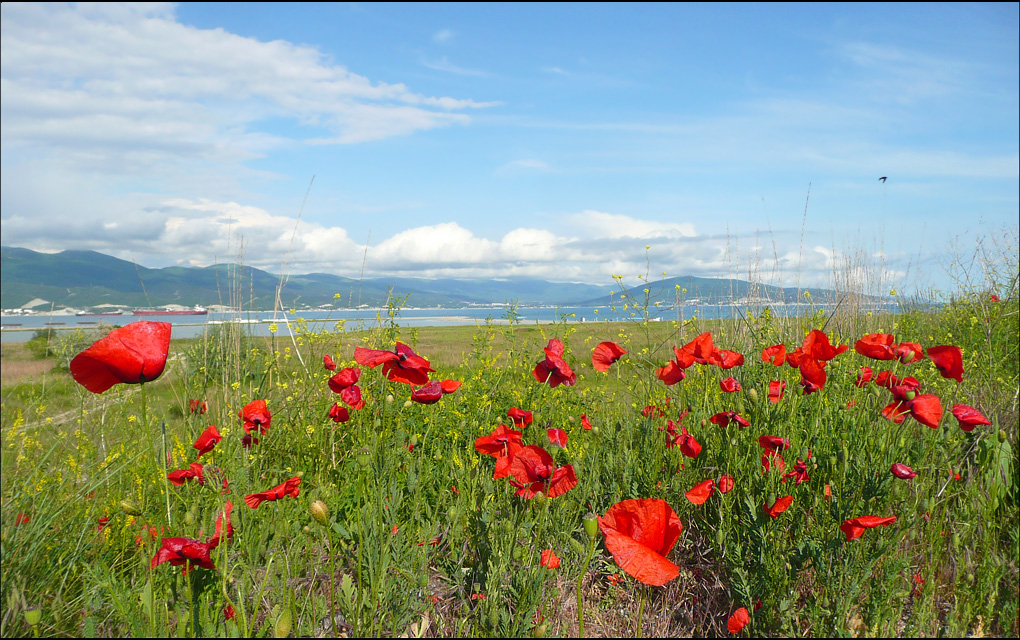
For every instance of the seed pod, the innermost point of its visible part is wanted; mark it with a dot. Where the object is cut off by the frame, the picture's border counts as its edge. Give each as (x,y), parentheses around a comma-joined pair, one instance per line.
(363,457)
(1002,435)
(281,629)
(129,507)
(753,395)
(720,537)
(33,615)
(189,518)
(320,512)
(591,525)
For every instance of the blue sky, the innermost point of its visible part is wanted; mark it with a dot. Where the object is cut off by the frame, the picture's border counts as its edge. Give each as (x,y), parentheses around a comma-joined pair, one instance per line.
(501,140)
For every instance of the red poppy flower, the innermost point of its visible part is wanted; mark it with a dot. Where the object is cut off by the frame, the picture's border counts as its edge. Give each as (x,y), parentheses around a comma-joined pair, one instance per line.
(877,346)
(651,411)
(339,413)
(969,417)
(450,386)
(288,488)
(777,388)
(132,354)
(503,444)
(21,518)
(400,365)
(723,419)
(773,443)
(779,506)
(640,534)
(327,362)
(808,386)
(925,408)
(198,406)
(207,441)
(549,559)
(688,445)
(799,473)
(725,483)
(535,472)
(902,471)
(220,519)
(554,368)
(186,552)
(605,355)
(520,417)
(585,422)
(771,459)
(864,377)
(428,394)
(738,620)
(948,360)
(729,385)
(615,579)
(698,350)
(855,527)
(725,359)
(700,492)
(228,612)
(193,472)
(248,440)
(256,416)
(775,355)
(670,374)
(994,298)
(558,437)
(345,384)
(909,352)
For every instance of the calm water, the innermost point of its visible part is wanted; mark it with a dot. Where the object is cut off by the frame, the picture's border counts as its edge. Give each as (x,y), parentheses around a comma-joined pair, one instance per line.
(21,328)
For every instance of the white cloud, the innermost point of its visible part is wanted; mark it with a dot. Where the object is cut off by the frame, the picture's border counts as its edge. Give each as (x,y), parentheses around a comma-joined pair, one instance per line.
(443,64)
(608,225)
(443,35)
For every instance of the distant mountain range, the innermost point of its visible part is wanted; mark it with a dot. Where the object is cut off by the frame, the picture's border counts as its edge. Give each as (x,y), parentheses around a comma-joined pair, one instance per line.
(88,279)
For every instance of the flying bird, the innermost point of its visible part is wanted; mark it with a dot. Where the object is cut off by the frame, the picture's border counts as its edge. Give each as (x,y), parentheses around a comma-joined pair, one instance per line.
(883,178)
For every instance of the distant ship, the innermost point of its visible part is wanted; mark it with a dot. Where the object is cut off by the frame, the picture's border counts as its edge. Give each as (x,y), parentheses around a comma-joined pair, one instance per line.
(197,311)
(99,313)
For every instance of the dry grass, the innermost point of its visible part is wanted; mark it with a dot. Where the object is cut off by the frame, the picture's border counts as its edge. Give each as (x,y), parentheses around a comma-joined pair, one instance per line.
(17,364)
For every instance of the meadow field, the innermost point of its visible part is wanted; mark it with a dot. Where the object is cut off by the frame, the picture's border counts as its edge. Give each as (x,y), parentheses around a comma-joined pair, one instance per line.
(501,480)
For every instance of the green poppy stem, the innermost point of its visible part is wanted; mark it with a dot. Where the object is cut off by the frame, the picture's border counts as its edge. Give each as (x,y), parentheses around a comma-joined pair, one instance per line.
(580,580)
(641,610)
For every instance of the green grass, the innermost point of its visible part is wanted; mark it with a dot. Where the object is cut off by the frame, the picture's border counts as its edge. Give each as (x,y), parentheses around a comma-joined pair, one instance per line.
(416,535)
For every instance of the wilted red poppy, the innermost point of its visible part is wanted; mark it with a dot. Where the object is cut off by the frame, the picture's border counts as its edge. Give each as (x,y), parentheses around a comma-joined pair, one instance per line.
(327,362)
(224,516)
(585,422)
(605,355)
(256,416)
(193,472)
(428,394)
(808,386)
(771,459)
(969,417)
(248,440)
(723,419)
(549,559)
(799,473)
(776,354)
(339,413)
(725,483)
(877,346)
(558,437)
(855,527)
(864,377)
(186,552)
(779,506)
(777,388)
(535,472)
(288,488)
(729,385)
(207,441)
(198,406)
(909,352)
(948,359)
(345,384)
(400,365)
(554,368)
(738,620)
(520,417)
(700,492)
(132,354)
(640,534)
(902,471)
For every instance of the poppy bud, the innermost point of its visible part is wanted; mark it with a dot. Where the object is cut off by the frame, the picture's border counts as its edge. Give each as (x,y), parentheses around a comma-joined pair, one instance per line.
(539,499)
(910,395)
(306,530)
(591,526)
(363,457)
(956,540)
(414,440)
(595,429)
(320,512)
(281,629)
(130,508)
(970,577)
(753,395)
(189,518)
(923,505)
(540,630)
(453,512)
(389,398)
(407,403)
(1002,435)
(33,615)
(720,537)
